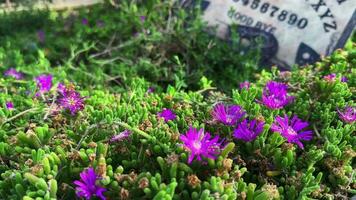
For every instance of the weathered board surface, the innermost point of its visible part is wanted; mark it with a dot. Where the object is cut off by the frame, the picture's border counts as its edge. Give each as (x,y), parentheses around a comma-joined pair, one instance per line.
(54,5)
(293,31)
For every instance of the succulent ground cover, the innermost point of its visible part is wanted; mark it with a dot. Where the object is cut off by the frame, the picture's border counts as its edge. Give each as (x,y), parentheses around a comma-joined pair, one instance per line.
(138,124)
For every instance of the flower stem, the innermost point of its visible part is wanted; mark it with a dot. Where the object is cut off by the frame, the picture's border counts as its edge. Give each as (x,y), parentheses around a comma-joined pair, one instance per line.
(205,89)
(136,130)
(20,114)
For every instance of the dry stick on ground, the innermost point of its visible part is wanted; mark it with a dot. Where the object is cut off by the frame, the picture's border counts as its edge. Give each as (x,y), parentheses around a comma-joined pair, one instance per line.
(8,3)
(137,131)
(75,54)
(206,89)
(316,131)
(169,18)
(111,42)
(108,61)
(125,44)
(19,115)
(91,75)
(120,123)
(109,50)
(51,107)
(86,133)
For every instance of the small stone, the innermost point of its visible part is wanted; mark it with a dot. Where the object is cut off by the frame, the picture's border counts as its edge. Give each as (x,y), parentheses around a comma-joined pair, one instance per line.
(124,194)
(133,176)
(120,177)
(285,75)
(74,155)
(260,118)
(168,98)
(92,157)
(36,169)
(102,169)
(29,162)
(287,146)
(243,195)
(148,153)
(92,145)
(154,103)
(145,125)
(175,136)
(193,180)
(143,183)
(32,125)
(271,190)
(172,158)
(227,164)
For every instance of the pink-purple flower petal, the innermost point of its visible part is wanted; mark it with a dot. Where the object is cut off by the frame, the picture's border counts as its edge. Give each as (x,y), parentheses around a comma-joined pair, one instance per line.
(12,72)
(72,101)
(10,105)
(330,77)
(245,85)
(44,82)
(275,95)
(291,131)
(87,187)
(343,79)
(200,144)
(348,114)
(228,115)
(167,115)
(248,130)
(121,136)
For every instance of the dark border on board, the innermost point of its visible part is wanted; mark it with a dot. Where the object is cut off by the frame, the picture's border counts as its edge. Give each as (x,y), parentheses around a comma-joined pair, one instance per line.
(350,27)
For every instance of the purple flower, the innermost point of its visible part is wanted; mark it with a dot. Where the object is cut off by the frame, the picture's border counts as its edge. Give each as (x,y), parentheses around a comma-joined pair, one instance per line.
(167,114)
(330,77)
(150,90)
(200,144)
(292,132)
(13,73)
(136,34)
(142,18)
(344,79)
(41,36)
(100,23)
(61,88)
(44,82)
(348,115)
(275,95)
(228,115)
(86,187)
(248,131)
(10,105)
(121,136)
(85,21)
(245,85)
(72,101)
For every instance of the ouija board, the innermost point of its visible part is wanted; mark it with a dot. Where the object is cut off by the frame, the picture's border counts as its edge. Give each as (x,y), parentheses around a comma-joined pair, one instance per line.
(291,31)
